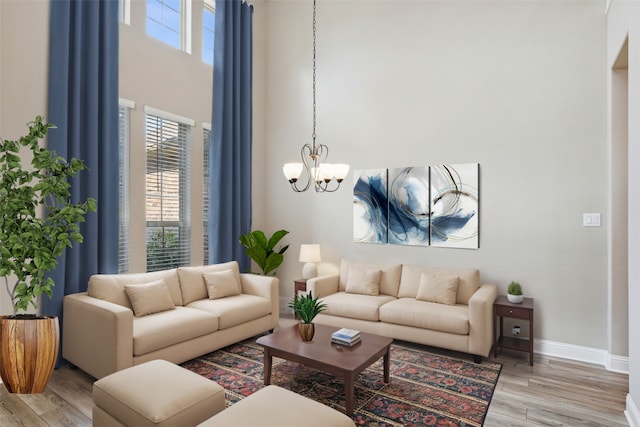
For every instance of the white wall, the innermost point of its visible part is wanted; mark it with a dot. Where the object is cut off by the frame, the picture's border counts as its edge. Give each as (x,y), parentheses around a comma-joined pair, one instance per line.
(623,22)
(24,59)
(518,87)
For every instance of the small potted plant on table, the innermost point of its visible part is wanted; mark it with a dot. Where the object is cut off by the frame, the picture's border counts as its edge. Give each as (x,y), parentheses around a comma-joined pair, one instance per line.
(514,293)
(306,307)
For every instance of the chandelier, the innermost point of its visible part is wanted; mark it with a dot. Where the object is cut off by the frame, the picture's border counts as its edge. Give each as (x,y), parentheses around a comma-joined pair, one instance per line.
(326,177)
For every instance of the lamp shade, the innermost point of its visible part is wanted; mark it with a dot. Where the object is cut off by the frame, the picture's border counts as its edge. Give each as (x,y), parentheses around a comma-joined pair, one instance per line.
(292,170)
(310,253)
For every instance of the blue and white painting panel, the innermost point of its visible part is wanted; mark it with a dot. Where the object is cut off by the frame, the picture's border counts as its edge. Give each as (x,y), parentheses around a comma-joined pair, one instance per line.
(370,206)
(454,205)
(409,206)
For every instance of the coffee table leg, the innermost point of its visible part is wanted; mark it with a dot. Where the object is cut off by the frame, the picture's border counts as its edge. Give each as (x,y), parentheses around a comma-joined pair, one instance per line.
(349,385)
(268,359)
(386,362)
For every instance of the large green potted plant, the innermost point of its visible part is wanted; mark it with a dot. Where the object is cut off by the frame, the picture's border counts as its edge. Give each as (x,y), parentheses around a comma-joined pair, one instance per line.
(263,251)
(307,307)
(38,222)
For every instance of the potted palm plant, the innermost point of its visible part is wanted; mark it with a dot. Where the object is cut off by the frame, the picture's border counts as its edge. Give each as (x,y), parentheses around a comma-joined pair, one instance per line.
(307,308)
(263,251)
(38,222)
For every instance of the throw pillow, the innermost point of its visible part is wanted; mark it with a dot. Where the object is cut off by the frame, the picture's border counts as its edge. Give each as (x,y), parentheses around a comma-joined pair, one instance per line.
(440,289)
(149,298)
(221,284)
(363,281)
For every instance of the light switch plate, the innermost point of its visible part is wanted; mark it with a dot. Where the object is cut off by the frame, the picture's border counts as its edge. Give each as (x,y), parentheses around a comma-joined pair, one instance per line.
(591,219)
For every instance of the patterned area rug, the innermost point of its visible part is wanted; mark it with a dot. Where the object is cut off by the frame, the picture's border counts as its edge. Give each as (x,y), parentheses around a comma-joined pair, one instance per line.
(425,389)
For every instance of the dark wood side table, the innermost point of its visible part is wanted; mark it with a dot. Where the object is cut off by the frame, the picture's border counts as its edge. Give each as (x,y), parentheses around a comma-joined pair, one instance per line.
(299,285)
(503,308)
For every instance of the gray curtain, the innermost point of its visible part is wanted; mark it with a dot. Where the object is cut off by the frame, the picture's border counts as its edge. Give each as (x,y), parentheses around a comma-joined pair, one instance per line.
(230,165)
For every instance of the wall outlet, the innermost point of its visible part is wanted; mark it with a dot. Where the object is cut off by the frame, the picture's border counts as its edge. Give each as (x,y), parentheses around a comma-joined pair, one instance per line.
(515,330)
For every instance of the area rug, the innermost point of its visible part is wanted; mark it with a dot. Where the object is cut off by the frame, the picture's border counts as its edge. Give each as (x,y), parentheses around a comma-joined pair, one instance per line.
(425,389)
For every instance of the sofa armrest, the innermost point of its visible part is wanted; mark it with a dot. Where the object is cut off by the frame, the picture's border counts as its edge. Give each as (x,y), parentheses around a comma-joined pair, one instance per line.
(323,286)
(481,319)
(267,287)
(97,335)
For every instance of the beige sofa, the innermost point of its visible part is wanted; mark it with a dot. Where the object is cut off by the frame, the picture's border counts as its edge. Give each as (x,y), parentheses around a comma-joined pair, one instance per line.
(441,307)
(125,320)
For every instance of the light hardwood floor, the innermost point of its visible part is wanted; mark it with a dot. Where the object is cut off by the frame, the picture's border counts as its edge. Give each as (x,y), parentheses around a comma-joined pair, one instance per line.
(554,392)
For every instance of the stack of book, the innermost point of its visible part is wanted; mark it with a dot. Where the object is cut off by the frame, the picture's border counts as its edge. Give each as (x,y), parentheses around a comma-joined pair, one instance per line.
(346,337)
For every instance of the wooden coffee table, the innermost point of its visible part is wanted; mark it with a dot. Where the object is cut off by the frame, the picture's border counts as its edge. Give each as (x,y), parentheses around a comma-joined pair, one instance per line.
(321,354)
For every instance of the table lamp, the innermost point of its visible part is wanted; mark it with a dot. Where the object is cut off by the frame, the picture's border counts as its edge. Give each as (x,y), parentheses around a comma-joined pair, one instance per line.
(309,254)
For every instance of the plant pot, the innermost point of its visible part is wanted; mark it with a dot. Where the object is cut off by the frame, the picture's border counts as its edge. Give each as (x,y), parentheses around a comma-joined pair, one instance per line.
(307,330)
(29,349)
(515,299)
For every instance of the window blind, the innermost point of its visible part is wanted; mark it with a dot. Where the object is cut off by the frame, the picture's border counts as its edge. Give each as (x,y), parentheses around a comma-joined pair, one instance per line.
(168,169)
(123,188)
(205,196)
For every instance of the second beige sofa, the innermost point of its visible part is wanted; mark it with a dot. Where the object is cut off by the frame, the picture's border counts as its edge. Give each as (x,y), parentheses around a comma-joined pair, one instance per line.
(442,307)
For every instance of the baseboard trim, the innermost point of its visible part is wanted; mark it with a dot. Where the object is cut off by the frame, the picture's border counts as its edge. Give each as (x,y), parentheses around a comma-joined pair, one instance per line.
(583,354)
(632,413)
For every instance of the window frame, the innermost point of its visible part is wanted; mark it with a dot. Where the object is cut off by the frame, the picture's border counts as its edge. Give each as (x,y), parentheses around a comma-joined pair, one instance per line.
(184,127)
(208,6)
(185,30)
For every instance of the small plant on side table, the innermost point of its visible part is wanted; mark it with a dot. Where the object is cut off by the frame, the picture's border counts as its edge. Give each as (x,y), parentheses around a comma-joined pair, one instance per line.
(514,293)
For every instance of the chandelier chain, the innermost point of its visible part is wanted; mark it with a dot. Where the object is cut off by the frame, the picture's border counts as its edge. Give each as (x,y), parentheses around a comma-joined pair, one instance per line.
(313,135)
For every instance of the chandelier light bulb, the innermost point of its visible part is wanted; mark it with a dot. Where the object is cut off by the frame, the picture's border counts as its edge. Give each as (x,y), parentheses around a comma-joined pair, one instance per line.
(292,171)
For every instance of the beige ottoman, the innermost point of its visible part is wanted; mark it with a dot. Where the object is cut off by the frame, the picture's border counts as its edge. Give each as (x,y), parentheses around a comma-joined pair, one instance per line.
(274,406)
(156,393)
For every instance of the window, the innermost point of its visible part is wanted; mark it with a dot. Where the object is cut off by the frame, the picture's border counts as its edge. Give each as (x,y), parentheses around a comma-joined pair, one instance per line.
(123,185)
(206,143)
(125,11)
(208,31)
(168,213)
(170,22)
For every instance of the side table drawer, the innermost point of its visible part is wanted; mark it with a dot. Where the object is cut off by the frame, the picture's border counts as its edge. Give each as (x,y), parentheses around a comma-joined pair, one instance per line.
(513,312)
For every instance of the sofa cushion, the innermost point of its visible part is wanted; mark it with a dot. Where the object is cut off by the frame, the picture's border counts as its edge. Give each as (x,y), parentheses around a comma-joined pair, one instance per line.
(150,298)
(192,283)
(235,310)
(221,284)
(110,287)
(274,406)
(427,315)
(389,275)
(160,330)
(355,306)
(469,280)
(363,281)
(156,393)
(440,289)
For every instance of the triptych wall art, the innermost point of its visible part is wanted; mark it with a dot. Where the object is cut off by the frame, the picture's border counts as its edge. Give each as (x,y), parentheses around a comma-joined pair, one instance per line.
(423,206)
